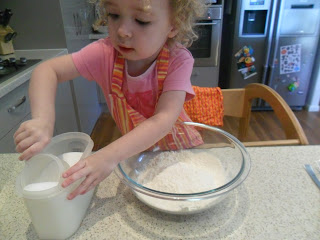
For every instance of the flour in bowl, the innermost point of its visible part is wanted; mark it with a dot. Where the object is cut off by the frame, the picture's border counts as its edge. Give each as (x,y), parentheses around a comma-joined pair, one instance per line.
(182,172)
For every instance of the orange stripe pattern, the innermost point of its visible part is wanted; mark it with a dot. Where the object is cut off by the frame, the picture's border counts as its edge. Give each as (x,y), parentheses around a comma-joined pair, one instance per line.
(126,118)
(206,107)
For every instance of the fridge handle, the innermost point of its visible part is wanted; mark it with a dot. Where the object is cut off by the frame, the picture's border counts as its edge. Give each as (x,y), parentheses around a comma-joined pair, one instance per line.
(276,42)
(228,7)
(267,68)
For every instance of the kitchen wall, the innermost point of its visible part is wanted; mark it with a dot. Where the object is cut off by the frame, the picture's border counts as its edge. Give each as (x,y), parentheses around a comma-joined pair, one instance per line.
(38,23)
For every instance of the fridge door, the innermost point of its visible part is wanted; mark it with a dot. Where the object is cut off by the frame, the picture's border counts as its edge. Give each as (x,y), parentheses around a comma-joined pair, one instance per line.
(292,67)
(251,28)
(293,50)
(299,21)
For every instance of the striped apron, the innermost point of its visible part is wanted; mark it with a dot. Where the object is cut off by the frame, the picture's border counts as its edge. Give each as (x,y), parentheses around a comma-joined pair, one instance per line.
(180,137)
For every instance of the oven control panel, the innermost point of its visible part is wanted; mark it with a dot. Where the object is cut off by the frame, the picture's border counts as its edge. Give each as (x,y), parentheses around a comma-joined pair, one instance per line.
(211,1)
(212,13)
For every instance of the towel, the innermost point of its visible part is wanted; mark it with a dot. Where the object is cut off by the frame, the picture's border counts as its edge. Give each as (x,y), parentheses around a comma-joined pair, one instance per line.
(206,107)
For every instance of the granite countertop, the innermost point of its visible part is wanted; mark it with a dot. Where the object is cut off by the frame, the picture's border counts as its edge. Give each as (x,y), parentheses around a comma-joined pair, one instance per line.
(20,78)
(278,200)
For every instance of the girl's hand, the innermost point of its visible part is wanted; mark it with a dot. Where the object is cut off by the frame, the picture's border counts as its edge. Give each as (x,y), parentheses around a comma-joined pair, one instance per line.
(32,136)
(94,168)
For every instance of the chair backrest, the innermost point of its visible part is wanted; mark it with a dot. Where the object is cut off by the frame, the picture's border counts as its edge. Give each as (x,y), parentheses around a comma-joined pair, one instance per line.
(237,103)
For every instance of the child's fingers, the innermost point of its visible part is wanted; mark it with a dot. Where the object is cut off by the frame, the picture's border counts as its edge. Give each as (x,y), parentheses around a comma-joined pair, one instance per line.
(79,165)
(92,185)
(82,188)
(20,130)
(74,173)
(32,150)
(25,143)
(18,137)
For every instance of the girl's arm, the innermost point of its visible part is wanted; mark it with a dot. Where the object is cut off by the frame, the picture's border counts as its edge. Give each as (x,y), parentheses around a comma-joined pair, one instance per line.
(100,164)
(33,135)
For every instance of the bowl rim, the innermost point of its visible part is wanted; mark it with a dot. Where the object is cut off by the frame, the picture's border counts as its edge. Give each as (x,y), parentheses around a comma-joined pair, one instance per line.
(234,183)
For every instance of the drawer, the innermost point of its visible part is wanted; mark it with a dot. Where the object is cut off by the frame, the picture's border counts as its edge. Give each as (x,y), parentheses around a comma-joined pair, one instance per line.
(14,107)
(7,144)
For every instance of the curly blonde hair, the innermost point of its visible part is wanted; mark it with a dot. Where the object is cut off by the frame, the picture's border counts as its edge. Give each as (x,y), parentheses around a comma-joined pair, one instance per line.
(183,12)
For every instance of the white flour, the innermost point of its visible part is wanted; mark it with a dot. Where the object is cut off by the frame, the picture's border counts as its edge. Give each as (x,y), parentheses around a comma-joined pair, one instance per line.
(71,158)
(182,172)
(34,187)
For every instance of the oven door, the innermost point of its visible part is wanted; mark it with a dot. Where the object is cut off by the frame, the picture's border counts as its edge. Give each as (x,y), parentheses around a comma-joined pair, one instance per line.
(206,50)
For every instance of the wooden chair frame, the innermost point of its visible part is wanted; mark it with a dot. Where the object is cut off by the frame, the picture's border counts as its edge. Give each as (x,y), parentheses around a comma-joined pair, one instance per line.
(238,103)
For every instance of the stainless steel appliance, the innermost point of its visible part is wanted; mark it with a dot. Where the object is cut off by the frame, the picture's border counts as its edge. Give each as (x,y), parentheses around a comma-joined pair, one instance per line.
(283,35)
(10,66)
(206,50)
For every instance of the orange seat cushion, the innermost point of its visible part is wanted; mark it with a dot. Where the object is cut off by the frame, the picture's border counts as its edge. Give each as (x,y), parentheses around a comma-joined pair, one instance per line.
(206,107)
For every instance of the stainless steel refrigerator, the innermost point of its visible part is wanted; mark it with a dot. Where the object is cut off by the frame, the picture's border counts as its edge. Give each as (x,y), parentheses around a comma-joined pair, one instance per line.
(272,42)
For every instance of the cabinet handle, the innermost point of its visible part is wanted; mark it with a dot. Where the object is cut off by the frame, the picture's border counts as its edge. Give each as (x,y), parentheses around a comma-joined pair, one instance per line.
(20,101)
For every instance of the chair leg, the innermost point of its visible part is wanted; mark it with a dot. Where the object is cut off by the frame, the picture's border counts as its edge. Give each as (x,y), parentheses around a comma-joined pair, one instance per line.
(245,120)
(243,128)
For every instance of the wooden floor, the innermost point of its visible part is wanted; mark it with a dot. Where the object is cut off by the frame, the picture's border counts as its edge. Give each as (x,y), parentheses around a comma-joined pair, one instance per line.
(263,126)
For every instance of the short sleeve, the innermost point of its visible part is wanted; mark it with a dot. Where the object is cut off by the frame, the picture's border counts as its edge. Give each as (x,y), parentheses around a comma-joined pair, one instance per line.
(95,61)
(179,72)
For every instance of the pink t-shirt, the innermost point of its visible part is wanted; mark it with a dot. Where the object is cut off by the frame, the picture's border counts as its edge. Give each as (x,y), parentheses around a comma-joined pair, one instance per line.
(95,62)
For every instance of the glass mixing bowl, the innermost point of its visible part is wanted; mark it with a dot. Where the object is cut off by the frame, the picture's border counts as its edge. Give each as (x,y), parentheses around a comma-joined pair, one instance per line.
(191,180)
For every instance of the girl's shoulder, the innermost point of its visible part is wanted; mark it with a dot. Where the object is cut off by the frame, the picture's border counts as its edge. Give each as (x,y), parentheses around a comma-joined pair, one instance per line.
(104,44)
(98,51)
(180,52)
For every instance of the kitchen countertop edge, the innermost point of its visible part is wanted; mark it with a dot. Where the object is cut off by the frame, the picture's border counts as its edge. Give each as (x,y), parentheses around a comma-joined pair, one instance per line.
(278,200)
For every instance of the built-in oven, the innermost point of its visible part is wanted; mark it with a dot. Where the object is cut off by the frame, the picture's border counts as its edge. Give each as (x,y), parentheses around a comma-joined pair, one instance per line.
(206,49)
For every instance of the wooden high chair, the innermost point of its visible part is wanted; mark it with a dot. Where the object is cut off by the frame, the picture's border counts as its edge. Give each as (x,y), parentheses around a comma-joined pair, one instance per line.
(237,103)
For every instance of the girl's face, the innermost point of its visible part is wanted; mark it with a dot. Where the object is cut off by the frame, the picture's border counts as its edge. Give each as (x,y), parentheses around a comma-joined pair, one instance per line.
(139,33)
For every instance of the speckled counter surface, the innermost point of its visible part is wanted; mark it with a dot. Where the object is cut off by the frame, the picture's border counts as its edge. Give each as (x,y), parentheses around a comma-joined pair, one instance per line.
(20,78)
(278,200)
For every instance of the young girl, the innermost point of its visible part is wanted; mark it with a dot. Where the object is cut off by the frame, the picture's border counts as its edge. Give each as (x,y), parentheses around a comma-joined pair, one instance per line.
(144,72)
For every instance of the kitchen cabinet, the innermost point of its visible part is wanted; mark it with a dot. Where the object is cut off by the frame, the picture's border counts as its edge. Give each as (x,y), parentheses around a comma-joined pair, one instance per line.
(14,106)
(15,109)
(14,91)
(7,144)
